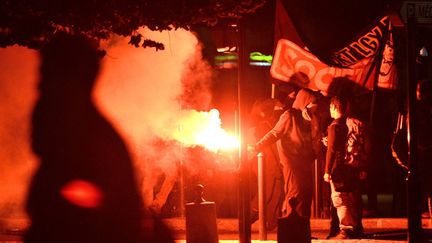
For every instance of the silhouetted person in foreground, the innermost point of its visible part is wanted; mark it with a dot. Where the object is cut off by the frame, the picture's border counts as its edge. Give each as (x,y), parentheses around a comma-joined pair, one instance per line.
(84,189)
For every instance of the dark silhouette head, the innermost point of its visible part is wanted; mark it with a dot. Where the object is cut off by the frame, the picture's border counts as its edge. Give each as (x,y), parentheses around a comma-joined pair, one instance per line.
(69,64)
(287,93)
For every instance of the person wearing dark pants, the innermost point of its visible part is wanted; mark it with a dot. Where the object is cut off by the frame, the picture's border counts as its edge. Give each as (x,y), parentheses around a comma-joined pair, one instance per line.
(337,172)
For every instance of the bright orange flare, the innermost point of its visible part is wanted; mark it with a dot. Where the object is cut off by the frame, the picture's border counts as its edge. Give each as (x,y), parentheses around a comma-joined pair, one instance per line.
(82,193)
(204,129)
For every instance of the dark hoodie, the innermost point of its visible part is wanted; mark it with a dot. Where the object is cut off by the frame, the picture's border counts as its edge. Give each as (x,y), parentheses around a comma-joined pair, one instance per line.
(294,131)
(294,141)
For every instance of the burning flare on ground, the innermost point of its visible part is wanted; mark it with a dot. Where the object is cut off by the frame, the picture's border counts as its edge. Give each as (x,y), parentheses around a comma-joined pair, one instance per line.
(204,129)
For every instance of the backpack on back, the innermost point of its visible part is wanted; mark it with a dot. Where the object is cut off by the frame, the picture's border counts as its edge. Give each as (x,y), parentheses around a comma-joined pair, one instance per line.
(355,148)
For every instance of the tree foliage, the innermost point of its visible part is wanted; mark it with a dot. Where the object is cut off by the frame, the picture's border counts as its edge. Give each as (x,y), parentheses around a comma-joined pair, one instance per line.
(31,23)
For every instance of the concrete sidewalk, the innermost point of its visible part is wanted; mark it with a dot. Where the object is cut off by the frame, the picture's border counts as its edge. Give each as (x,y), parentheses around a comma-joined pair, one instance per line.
(378,230)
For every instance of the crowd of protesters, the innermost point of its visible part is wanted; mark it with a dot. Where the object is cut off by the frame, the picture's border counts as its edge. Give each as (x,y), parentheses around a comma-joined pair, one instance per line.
(305,133)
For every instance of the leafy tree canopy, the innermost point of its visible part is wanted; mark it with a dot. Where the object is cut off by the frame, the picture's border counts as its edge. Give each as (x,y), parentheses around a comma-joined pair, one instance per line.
(32,23)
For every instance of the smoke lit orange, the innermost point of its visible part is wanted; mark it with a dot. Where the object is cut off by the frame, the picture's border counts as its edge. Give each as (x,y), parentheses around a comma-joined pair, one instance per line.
(204,129)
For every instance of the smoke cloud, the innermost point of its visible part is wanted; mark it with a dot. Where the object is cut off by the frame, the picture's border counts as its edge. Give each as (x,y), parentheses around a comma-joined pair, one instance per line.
(142,90)
(147,95)
(18,76)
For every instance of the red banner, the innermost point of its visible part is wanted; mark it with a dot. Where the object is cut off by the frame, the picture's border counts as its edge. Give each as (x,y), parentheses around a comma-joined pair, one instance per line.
(290,59)
(355,57)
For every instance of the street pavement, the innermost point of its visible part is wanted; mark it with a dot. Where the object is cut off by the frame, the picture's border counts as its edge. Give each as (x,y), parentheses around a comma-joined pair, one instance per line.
(378,230)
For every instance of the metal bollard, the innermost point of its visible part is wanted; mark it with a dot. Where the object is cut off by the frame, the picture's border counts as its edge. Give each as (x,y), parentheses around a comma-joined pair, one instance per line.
(201,226)
(262,216)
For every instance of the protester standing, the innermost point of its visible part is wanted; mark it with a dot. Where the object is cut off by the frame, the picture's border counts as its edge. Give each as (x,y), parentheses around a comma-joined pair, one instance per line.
(337,172)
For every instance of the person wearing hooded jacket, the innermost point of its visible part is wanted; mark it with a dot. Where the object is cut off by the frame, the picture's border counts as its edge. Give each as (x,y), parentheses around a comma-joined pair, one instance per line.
(293,134)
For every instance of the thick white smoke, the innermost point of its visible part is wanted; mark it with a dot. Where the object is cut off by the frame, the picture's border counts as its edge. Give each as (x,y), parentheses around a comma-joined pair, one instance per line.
(149,95)
(142,92)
